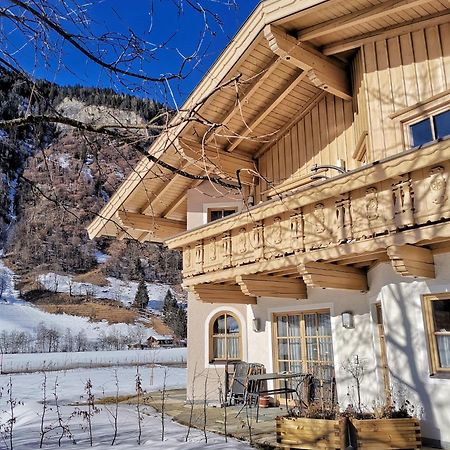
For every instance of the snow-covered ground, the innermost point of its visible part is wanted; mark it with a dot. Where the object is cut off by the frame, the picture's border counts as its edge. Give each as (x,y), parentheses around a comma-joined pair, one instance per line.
(17,315)
(70,389)
(123,291)
(31,362)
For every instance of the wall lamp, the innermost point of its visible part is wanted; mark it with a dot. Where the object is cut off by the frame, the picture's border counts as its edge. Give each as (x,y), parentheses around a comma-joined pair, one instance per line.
(347,320)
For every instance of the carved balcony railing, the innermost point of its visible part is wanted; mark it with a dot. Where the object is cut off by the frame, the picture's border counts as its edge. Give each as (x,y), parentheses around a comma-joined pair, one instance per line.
(388,202)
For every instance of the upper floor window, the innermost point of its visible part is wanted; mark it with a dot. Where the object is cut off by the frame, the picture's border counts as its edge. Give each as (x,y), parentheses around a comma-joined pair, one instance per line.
(225,338)
(432,128)
(220,213)
(436,310)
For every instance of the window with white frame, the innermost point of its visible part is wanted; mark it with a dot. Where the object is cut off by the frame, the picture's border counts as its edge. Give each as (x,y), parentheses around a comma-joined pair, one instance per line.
(436,309)
(429,129)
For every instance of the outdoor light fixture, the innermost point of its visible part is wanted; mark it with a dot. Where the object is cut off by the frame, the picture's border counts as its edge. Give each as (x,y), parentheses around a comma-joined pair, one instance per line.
(347,319)
(256,324)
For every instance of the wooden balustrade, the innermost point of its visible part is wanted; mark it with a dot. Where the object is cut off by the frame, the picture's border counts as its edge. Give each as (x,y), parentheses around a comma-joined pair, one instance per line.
(391,206)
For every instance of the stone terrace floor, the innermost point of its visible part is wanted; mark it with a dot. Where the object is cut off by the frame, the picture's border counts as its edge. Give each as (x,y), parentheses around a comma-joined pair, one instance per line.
(261,434)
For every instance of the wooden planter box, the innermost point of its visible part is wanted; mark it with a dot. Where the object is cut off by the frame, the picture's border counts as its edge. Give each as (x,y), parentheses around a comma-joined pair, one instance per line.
(301,433)
(386,434)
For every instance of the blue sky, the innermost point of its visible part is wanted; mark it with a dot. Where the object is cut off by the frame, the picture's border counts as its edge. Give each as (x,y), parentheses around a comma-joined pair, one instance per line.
(181,30)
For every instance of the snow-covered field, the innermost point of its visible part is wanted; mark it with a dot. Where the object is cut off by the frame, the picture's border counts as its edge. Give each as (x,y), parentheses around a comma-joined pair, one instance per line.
(70,388)
(123,291)
(17,315)
(32,362)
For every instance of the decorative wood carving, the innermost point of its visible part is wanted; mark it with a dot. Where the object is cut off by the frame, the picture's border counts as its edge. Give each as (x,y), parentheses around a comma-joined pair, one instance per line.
(412,261)
(403,199)
(333,276)
(226,249)
(343,220)
(319,215)
(438,185)
(258,240)
(372,204)
(242,241)
(198,257)
(297,232)
(269,286)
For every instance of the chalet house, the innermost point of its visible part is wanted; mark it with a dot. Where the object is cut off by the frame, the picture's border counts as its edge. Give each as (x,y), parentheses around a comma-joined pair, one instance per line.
(159,341)
(322,232)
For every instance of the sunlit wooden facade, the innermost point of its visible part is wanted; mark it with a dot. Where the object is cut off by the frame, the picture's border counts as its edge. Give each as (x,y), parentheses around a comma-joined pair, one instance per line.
(337,144)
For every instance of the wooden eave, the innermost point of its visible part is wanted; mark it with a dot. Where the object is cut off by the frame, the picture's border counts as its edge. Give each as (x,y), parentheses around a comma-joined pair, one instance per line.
(280,92)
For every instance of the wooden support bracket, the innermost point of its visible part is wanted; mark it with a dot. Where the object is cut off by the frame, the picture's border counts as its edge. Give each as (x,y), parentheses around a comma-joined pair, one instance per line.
(162,228)
(333,276)
(269,286)
(411,261)
(219,293)
(324,72)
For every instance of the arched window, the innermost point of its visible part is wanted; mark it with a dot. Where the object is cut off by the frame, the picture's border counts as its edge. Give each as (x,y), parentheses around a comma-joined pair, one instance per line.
(225,338)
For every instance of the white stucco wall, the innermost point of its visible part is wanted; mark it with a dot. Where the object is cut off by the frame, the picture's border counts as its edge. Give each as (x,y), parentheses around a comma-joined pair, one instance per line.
(209,195)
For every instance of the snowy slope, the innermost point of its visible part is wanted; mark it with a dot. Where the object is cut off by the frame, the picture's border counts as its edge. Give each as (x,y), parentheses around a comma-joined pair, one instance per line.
(18,315)
(116,290)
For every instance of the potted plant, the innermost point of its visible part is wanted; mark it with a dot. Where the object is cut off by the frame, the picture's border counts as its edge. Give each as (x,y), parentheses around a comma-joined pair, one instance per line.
(390,426)
(313,425)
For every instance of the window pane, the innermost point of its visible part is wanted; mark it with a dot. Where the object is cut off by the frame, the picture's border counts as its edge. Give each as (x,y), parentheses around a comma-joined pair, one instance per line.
(442,124)
(421,132)
(219,347)
(219,325)
(324,325)
(228,212)
(233,347)
(310,324)
(294,326)
(294,345)
(282,326)
(443,343)
(232,325)
(283,349)
(215,214)
(441,315)
(325,349)
(311,349)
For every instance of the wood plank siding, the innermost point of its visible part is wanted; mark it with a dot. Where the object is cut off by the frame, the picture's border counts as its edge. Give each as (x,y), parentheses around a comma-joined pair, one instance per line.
(388,76)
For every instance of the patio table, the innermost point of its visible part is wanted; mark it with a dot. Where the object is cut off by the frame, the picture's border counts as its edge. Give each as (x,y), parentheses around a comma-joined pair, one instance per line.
(259,388)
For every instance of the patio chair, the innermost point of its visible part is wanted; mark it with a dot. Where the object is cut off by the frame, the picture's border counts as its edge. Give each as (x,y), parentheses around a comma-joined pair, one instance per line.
(238,383)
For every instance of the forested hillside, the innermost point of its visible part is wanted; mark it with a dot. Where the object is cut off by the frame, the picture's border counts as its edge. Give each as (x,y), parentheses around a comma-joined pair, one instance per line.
(53,180)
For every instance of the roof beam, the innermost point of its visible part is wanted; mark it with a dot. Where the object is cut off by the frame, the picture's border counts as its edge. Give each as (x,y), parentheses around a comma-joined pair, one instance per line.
(263,76)
(214,160)
(357,18)
(412,261)
(218,293)
(386,33)
(269,286)
(323,71)
(273,102)
(162,228)
(332,276)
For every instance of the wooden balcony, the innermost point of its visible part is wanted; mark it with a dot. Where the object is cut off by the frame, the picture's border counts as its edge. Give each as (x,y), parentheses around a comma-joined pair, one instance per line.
(328,234)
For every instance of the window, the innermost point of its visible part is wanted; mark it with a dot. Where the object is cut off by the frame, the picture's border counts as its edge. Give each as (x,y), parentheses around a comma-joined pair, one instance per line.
(225,338)
(304,343)
(219,213)
(427,130)
(436,310)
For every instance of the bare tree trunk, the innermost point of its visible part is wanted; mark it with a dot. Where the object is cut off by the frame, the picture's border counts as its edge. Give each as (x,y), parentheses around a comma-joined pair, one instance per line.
(163,405)
(139,392)
(205,405)
(44,410)
(192,402)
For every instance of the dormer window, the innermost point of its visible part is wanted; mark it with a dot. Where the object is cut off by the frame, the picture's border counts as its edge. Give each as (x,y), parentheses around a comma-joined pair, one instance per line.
(430,129)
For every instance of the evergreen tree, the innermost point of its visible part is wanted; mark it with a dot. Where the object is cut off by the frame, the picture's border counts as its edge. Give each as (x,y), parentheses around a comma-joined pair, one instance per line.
(141,299)
(174,316)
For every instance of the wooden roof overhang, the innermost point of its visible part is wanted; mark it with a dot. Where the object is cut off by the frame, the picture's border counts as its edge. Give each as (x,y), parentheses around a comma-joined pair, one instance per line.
(286,55)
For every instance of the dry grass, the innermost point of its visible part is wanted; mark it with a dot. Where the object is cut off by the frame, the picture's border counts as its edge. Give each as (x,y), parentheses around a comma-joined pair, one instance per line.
(93,277)
(94,310)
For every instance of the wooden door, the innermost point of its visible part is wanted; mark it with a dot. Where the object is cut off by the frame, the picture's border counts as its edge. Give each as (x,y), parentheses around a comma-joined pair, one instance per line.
(383,355)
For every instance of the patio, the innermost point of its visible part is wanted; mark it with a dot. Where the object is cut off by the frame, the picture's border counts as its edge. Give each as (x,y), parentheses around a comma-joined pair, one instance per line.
(244,427)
